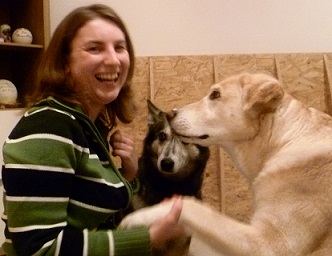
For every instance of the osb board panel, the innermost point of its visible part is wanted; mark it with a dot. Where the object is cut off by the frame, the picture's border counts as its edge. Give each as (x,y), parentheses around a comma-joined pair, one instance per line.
(227,65)
(237,198)
(141,85)
(211,189)
(303,77)
(180,80)
(328,82)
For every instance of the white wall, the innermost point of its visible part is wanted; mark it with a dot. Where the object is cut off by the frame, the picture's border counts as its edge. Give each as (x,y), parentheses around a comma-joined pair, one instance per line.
(195,27)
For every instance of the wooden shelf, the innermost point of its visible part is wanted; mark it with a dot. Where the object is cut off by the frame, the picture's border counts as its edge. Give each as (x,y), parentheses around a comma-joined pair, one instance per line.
(19,62)
(15,45)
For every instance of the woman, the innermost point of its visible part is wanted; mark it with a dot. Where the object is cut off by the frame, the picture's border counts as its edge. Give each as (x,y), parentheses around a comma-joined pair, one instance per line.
(62,190)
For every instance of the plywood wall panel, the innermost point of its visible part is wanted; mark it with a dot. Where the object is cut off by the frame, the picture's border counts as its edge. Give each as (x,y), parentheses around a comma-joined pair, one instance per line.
(227,65)
(328,82)
(179,80)
(212,184)
(303,77)
(141,86)
(237,199)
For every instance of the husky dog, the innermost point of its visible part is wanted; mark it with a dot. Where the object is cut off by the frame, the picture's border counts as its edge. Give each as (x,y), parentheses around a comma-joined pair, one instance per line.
(167,165)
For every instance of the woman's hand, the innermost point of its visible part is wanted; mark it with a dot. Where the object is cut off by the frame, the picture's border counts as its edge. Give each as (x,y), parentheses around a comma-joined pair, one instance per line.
(167,234)
(123,146)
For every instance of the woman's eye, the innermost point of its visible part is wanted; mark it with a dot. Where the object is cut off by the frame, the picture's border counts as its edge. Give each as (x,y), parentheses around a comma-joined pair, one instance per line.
(94,49)
(162,137)
(120,48)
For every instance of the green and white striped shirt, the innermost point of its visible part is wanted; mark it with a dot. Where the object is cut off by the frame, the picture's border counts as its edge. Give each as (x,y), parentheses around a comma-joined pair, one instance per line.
(60,185)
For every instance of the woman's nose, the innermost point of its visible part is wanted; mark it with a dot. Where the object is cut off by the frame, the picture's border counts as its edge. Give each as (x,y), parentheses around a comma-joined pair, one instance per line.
(111,58)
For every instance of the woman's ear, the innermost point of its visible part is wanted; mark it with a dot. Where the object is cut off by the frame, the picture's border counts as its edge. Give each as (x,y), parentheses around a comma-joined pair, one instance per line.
(262,96)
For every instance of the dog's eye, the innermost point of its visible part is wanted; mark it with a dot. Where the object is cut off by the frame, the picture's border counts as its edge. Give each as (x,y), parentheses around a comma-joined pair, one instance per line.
(162,137)
(215,94)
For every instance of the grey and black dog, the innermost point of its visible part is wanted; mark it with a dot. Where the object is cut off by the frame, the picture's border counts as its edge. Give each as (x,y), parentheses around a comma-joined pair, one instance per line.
(168,165)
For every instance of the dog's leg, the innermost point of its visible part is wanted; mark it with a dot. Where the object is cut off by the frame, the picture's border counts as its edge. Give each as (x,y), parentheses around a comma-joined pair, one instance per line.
(146,216)
(213,233)
(265,236)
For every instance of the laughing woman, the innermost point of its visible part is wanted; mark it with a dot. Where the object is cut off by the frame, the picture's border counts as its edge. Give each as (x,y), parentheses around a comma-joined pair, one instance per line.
(62,190)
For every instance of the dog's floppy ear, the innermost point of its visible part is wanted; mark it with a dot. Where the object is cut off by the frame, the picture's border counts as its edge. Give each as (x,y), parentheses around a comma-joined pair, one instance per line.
(261,95)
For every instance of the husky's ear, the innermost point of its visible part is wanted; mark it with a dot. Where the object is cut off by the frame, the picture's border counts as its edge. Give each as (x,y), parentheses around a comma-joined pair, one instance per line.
(154,113)
(261,95)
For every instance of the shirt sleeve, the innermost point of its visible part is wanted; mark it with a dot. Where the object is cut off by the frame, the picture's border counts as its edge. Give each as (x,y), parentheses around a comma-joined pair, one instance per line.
(40,157)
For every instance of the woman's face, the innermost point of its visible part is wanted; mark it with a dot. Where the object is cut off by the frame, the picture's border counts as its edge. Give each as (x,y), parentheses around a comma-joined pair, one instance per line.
(99,62)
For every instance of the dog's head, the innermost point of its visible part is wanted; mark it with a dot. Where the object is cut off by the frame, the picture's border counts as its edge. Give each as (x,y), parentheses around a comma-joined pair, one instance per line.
(231,111)
(174,158)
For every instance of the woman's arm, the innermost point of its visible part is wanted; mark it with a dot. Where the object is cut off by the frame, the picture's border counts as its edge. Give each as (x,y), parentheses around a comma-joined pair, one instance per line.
(44,212)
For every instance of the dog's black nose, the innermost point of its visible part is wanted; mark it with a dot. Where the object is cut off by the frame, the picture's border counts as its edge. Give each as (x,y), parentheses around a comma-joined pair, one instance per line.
(167,165)
(171,114)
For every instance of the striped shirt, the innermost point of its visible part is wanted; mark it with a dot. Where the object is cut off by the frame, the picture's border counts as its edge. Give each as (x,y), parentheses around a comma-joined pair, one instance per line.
(60,185)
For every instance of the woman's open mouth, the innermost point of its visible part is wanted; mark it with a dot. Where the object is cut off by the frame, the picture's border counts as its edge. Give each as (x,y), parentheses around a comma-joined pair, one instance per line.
(107,77)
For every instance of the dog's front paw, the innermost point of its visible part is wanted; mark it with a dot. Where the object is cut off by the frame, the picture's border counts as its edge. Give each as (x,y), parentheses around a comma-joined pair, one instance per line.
(145,216)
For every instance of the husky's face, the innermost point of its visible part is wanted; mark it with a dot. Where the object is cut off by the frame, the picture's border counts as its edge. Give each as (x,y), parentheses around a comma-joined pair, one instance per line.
(172,156)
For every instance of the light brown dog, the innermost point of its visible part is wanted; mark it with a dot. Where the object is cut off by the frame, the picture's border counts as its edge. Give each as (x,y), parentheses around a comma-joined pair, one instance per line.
(283,148)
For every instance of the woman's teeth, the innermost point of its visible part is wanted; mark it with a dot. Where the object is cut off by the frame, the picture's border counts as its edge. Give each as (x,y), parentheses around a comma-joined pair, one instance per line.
(107,77)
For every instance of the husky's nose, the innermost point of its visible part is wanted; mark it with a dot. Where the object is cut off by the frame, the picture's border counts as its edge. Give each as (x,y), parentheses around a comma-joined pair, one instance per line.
(167,165)
(171,114)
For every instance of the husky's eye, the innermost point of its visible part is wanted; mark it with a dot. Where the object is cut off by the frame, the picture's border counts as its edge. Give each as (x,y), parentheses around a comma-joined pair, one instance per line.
(162,137)
(215,94)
